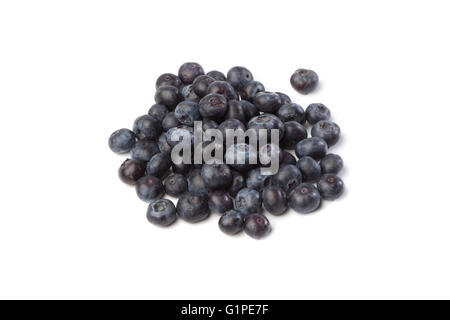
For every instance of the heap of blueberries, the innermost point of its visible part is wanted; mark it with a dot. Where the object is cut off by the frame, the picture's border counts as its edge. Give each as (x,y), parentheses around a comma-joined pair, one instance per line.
(238,192)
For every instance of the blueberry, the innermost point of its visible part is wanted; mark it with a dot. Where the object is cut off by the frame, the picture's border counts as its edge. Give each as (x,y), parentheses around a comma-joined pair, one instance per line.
(159,165)
(162,212)
(327,130)
(217,176)
(192,207)
(217,75)
(285,99)
(256,180)
(288,159)
(291,112)
(267,102)
(231,222)
(287,177)
(304,198)
(331,163)
(196,184)
(267,152)
(163,145)
(213,106)
(188,93)
(220,201)
(201,84)
(178,134)
(236,111)
(316,112)
(168,96)
(131,171)
(181,168)
(330,186)
(187,112)
(169,121)
(304,81)
(238,77)
(294,132)
(209,124)
(248,201)
(158,111)
(175,185)
(147,127)
(231,124)
(249,91)
(189,71)
(249,109)
(268,122)
(223,88)
(241,157)
(144,150)
(257,226)
(309,168)
(274,200)
(237,183)
(121,141)
(314,147)
(149,188)
(168,79)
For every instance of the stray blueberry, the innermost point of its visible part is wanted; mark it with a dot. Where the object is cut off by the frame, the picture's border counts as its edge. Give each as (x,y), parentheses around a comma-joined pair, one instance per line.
(330,186)
(121,141)
(305,198)
(331,163)
(304,81)
(162,212)
(257,226)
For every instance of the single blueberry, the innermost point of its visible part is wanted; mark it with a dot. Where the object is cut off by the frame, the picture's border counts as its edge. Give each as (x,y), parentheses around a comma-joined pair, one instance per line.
(316,112)
(217,176)
(121,141)
(288,159)
(201,84)
(131,171)
(175,185)
(217,75)
(288,177)
(209,124)
(248,201)
(314,147)
(149,188)
(291,112)
(163,145)
(330,186)
(304,81)
(267,102)
(309,168)
(220,201)
(158,111)
(236,111)
(304,198)
(327,130)
(241,157)
(267,122)
(213,106)
(249,109)
(223,88)
(294,132)
(256,180)
(147,127)
(188,93)
(331,163)
(285,99)
(274,200)
(189,71)
(257,226)
(159,165)
(169,121)
(178,134)
(231,222)
(144,150)
(168,96)
(162,212)
(187,112)
(192,207)
(196,184)
(249,91)
(230,124)
(168,79)
(238,77)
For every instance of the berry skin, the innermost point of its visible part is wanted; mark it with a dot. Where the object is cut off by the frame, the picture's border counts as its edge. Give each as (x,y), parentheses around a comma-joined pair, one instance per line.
(217,176)
(163,145)
(220,201)
(304,81)
(330,186)
(305,198)
(294,133)
(316,112)
(213,106)
(162,212)
(243,156)
(189,71)
(288,177)
(187,112)
(231,222)
(331,163)
(248,201)
(144,150)
(159,165)
(232,124)
(288,159)
(201,84)
(169,121)
(257,226)
(196,184)
(147,127)
(249,109)
(131,171)
(192,208)
(223,88)
(188,93)
(121,141)
(256,180)
(209,124)
(168,79)
(251,89)
(168,96)
(327,130)
(178,134)
(314,147)
(181,168)
(237,183)
(175,185)
(149,188)
(266,152)
(238,77)
(274,200)
(217,75)
(285,99)
(267,121)
(291,112)
(158,111)
(236,111)
(309,168)
(267,102)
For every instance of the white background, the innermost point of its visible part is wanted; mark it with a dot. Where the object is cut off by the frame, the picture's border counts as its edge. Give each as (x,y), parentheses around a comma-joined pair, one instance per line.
(71,72)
